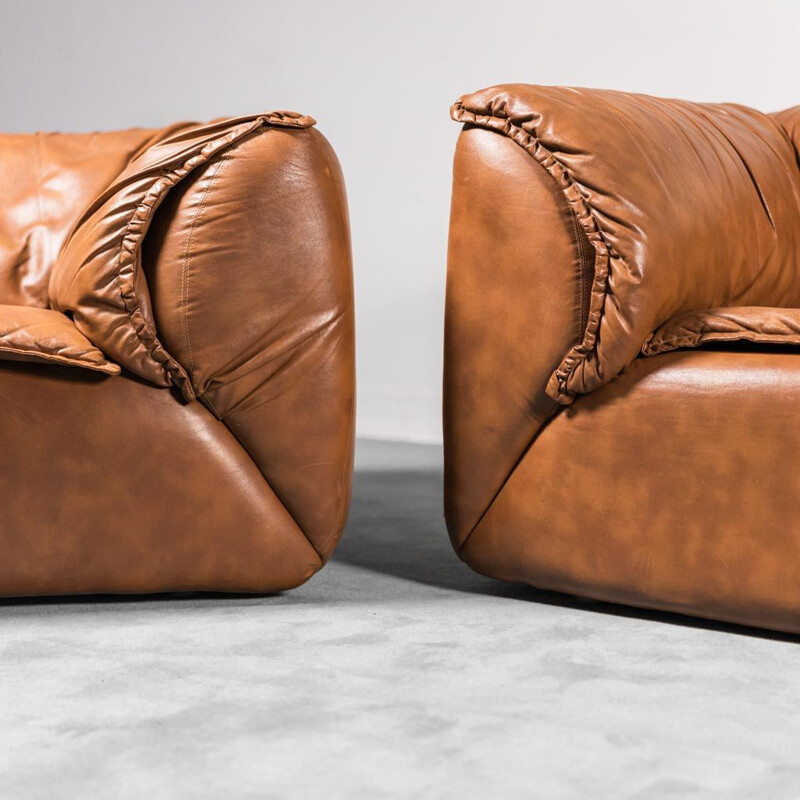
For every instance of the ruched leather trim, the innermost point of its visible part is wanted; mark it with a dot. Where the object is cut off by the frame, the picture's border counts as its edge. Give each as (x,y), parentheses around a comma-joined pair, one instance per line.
(134,342)
(129,257)
(130,248)
(751,324)
(559,385)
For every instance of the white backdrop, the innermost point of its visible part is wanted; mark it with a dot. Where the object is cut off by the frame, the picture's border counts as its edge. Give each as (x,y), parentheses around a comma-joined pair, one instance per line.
(380,78)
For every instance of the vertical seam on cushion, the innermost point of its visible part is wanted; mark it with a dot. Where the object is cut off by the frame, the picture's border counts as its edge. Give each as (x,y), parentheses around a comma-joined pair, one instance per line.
(582,288)
(187,265)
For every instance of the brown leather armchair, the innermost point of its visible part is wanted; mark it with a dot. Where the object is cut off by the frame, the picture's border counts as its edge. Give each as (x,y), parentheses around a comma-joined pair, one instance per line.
(622,379)
(176,358)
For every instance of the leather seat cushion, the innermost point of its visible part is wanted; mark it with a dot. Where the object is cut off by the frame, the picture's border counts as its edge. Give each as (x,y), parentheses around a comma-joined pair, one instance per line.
(28,333)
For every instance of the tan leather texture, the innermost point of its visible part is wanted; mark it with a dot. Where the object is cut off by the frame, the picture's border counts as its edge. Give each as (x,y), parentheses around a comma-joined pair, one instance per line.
(110,482)
(780,326)
(676,496)
(789,120)
(28,333)
(666,488)
(113,486)
(46,181)
(98,276)
(687,206)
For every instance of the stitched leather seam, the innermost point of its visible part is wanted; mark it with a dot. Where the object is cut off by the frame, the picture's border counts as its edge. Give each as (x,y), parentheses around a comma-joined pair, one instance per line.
(210,406)
(583,289)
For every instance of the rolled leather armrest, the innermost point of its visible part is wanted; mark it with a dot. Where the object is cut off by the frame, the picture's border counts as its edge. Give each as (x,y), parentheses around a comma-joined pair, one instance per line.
(249,270)
(518,262)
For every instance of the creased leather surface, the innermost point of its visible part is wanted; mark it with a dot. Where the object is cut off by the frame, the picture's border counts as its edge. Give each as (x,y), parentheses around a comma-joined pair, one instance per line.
(666,488)
(670,487)
(28,333)
(687,206)
(46,181)
(98,276)
(754,324)
(514,304)
(789,120)
(249,267)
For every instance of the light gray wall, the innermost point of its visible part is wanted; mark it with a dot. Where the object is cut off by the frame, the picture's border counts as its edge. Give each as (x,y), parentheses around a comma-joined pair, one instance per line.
(380,78)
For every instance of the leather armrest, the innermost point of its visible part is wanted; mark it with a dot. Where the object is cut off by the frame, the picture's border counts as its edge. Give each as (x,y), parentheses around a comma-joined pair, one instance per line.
(248,264)
(517,264)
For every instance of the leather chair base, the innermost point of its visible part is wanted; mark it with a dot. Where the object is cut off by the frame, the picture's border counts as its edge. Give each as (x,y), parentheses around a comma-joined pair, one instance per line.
(112,486)
(674,487)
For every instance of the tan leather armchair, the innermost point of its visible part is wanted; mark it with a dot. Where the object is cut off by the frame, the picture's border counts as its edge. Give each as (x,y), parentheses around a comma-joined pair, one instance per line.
(176,358)
(622,379)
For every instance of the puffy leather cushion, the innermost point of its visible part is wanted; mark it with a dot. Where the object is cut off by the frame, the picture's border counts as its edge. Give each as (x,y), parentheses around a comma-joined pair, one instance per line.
(248,266)
(789,120)
(688,206)
(46,181)
(752,324)
(40,334)
(99,276)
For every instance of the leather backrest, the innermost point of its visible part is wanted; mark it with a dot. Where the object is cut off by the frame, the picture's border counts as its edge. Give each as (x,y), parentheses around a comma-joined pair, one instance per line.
(687,206)
(46,182)
(98,276)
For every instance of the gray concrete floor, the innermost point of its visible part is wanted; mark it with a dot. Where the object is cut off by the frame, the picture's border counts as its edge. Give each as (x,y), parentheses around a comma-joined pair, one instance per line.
(396,672)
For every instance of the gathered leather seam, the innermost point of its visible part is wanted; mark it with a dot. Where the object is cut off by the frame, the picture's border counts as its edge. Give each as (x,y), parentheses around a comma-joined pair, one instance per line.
(582,288)
(559,385)
(130,246)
